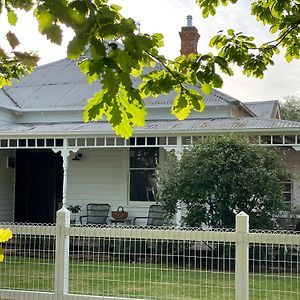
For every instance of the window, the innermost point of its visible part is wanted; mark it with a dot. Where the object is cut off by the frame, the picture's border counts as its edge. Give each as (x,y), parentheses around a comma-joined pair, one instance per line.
(288,194)
(143,162)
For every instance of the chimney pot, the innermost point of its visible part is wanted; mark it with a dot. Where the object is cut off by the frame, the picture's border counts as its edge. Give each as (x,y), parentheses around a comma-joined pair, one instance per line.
(189,21)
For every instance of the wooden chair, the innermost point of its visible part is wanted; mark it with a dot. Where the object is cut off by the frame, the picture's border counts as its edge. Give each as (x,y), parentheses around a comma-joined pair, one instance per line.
(96,214)
(154,218)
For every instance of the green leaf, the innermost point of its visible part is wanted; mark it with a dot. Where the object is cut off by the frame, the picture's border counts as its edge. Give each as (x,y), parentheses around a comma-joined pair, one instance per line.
(180,107)
(12,17)
(123,129)
(45,20)
(5,235)
(136,72)
(230,32)
(196,100)
(95,108)
(288,57)
(214,40)
(116,7)
(206,88)
(2,53)
(54,34)
(217,81)
(12,39)
(274,28)
(4,82)
(1,254)
(159,39)
(28,59)
(274,11)
(76,47)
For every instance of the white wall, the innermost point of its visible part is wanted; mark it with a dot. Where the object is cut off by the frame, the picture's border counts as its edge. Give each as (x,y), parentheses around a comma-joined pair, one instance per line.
(50,116)
(6,116)
(98,177)
(164,113)
(102,177)
(292,161)
(7,187)
(154,113)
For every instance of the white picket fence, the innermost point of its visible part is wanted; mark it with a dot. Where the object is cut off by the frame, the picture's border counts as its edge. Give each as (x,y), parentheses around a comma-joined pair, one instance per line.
(81,262)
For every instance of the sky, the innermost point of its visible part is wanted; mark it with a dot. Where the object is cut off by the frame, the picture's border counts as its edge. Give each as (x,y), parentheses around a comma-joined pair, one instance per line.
(167,17)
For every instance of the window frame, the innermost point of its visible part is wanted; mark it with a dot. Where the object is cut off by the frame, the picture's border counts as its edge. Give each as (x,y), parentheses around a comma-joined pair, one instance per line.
(158,154)
(290,192)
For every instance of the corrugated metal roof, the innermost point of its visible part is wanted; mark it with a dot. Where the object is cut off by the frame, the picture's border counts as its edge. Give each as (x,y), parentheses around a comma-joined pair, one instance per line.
(264,109)
(160,126)
(5,101)
(61,85)
(216,97)
(64,95)
(222,124)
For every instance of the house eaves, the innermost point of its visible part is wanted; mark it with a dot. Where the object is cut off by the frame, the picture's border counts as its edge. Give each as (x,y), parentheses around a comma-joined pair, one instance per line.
(159,127)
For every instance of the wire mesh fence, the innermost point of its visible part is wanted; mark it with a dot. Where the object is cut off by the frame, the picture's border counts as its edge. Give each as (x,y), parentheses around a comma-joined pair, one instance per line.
(29,259)
(156,268)
(149,263)
(274,267)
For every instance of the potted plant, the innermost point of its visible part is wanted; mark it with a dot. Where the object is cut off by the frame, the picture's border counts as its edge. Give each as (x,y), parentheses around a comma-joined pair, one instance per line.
(74,209)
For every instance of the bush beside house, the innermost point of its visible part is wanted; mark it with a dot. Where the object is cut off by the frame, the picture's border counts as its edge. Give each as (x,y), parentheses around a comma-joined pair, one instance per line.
(220,177)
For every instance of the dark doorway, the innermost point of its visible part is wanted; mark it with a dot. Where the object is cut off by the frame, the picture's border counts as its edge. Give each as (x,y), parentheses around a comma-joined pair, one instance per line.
(39,179)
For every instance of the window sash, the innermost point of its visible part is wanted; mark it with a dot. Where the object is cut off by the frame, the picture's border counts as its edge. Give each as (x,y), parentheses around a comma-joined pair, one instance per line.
(142,164)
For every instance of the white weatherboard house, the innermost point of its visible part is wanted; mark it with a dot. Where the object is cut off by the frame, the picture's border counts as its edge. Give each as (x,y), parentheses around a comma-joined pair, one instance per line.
(41,130)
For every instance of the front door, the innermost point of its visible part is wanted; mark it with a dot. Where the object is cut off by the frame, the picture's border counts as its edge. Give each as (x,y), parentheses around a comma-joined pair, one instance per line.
(38,185)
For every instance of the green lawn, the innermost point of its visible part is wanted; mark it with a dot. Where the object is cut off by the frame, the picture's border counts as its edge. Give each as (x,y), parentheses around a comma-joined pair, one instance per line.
(142,280)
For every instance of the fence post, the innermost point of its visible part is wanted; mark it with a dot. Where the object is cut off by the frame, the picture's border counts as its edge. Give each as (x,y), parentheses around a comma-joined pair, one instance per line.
(242,257)
(61,286)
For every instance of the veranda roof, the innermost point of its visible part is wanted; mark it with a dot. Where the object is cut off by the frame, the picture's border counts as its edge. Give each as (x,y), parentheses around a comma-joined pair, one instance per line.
(196,126)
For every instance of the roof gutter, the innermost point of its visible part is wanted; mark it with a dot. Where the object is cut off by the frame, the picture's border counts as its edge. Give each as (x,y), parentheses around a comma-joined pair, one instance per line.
(148,132)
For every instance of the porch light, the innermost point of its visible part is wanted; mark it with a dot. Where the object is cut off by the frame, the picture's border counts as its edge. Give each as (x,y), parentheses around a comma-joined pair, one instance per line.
(78,156)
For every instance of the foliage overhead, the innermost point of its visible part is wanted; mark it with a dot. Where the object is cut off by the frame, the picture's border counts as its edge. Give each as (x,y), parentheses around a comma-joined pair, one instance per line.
(290,109)
(101,28)
(220,177)
(5,235)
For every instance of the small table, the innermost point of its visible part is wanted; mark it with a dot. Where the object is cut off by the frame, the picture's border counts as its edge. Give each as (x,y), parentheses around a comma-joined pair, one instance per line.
(126,221)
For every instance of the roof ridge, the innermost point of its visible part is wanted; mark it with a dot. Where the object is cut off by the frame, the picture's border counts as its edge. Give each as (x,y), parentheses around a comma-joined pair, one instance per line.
(220,94)
(52,63)
(262,101)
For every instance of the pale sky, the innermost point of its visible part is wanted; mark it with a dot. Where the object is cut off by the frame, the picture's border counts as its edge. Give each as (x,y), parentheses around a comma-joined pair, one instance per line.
(167,17)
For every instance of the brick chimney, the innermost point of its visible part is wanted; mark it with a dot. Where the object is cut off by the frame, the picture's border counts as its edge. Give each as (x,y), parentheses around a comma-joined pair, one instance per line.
(189,38)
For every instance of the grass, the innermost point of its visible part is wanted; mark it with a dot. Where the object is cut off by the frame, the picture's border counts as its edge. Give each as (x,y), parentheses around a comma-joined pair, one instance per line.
(142,280)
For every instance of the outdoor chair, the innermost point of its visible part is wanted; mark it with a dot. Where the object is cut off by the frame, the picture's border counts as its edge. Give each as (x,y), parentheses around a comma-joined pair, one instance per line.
(96,214)
(154,218)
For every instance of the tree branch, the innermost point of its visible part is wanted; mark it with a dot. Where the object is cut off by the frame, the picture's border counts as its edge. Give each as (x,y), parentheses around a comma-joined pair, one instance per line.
(280,38)
(167,68)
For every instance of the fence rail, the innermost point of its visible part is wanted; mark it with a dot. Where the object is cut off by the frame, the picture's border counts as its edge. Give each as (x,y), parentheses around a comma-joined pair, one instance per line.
(63,262)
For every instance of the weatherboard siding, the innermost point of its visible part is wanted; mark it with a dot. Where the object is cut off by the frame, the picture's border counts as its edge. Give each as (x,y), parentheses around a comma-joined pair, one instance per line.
(51,116)
(7,186)
(6,116)
(154,113)
(102,177)
(99,177)
(292,161)
(164,113)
